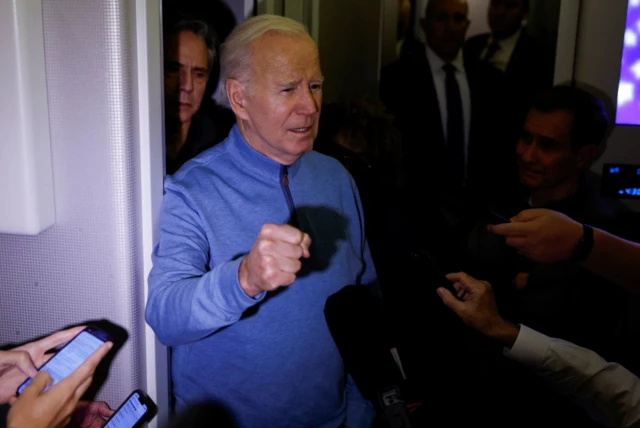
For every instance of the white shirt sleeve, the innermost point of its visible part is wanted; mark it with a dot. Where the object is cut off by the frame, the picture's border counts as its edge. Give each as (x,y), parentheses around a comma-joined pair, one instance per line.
(607,391)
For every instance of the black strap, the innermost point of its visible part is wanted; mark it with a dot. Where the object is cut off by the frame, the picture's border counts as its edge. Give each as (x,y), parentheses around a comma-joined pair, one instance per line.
(585,245)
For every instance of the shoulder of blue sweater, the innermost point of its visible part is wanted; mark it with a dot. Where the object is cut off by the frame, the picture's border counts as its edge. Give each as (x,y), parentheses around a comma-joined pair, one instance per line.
(201,164)
(326,162)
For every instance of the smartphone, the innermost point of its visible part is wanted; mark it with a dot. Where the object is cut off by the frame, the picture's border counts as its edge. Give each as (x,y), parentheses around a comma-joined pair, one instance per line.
(72,355)
(435,273)
(495,218)
(137,409)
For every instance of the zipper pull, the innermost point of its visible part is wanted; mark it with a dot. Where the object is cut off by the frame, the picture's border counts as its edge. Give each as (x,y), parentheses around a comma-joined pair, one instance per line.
(285,177)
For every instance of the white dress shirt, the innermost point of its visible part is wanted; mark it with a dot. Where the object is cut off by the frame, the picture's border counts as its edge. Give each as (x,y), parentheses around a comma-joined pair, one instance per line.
(607,391)
(501,58)
(438,74)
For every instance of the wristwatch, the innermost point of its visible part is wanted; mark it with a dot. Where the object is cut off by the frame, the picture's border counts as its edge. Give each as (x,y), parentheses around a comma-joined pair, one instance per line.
(584,246)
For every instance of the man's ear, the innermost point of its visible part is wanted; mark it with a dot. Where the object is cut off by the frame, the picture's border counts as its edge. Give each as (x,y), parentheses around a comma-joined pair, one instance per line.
(236,93)
(586,155)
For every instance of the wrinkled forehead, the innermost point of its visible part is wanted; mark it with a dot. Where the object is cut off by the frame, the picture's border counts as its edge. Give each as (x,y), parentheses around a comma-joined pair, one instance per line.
(282,54)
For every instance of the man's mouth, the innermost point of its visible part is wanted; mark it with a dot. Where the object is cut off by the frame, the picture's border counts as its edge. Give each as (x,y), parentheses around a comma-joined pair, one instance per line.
(528,171)
(301,130)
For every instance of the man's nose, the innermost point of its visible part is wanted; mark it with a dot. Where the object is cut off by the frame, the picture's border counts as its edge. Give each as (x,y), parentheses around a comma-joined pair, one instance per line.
(530,153)
(309,102)
(186,80)
(452,26)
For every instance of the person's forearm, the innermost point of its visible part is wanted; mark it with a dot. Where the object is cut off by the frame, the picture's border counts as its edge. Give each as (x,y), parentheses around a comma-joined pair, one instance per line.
(504,333)
(607,391)
(182,310)
(615,259)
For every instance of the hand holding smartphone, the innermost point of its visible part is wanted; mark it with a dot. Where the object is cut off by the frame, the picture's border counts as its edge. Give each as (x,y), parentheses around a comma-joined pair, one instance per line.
(433,271)
(37,408)
(71,355)
(137,409)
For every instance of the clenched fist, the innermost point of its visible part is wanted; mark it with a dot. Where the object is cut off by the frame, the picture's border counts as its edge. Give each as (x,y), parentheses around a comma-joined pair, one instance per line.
(274,259)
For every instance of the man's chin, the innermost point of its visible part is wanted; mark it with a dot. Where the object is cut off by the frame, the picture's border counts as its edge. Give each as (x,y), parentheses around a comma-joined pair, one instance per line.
(185,117)
(529,183)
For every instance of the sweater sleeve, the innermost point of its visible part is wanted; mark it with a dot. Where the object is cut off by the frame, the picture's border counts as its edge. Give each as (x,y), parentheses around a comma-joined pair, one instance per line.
(188,299)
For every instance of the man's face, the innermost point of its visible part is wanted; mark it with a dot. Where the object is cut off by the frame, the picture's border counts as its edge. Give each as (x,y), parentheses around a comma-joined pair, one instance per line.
(445,27)
(185,75)
(281,106)
(506,16)
(545,156)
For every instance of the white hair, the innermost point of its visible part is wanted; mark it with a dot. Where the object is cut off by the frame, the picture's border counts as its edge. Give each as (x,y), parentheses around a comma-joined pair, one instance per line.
(236,52)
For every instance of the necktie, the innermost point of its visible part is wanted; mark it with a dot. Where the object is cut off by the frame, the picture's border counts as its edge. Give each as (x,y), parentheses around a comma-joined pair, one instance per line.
(491,51)
(455,124)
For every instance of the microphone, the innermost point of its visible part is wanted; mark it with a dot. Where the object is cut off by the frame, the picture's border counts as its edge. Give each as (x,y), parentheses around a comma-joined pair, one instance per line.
(360,329)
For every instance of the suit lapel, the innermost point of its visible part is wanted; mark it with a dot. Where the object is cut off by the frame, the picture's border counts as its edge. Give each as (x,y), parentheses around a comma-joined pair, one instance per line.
(516,56)
(430,105)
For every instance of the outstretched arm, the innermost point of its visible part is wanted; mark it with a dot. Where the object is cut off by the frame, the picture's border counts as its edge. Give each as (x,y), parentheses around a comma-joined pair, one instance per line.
(548,236)
(607,391)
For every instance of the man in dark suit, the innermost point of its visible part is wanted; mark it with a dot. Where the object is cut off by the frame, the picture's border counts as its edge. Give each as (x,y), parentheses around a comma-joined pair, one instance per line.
(445,113)
(451,150)
(526,64)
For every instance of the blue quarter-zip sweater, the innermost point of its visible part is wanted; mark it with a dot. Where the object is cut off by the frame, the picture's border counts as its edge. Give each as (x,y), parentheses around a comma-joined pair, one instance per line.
(270,360)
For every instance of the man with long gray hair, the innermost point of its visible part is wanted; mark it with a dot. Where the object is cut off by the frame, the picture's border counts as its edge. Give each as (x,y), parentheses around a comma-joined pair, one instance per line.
(256,233)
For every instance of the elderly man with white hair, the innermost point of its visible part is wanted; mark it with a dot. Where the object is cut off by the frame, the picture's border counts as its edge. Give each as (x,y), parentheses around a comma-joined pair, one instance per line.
(256,233)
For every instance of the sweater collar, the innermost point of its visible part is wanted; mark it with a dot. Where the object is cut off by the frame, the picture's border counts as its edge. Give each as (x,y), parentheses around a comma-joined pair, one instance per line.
(251,160)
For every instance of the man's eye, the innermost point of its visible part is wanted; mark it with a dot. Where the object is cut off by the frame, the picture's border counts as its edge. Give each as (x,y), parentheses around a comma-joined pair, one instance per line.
(526,138)
(548,145)
(459,18)
(442,17)
(288,89)
(316,86)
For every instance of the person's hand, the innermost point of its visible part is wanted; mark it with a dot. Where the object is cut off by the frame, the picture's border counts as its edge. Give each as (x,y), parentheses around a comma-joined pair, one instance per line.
(20,363)
(274,259)
(521,280)
(35,408)
(15,367)
(541,235)
(90,414)
(477,307)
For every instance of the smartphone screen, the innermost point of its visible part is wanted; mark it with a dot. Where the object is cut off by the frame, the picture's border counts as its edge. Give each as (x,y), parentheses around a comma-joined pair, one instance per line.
(71,356)
(136,408)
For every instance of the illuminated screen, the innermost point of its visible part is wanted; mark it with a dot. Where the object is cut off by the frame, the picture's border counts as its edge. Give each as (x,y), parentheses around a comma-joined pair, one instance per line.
(628,111)
(129,414)
(69,358)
